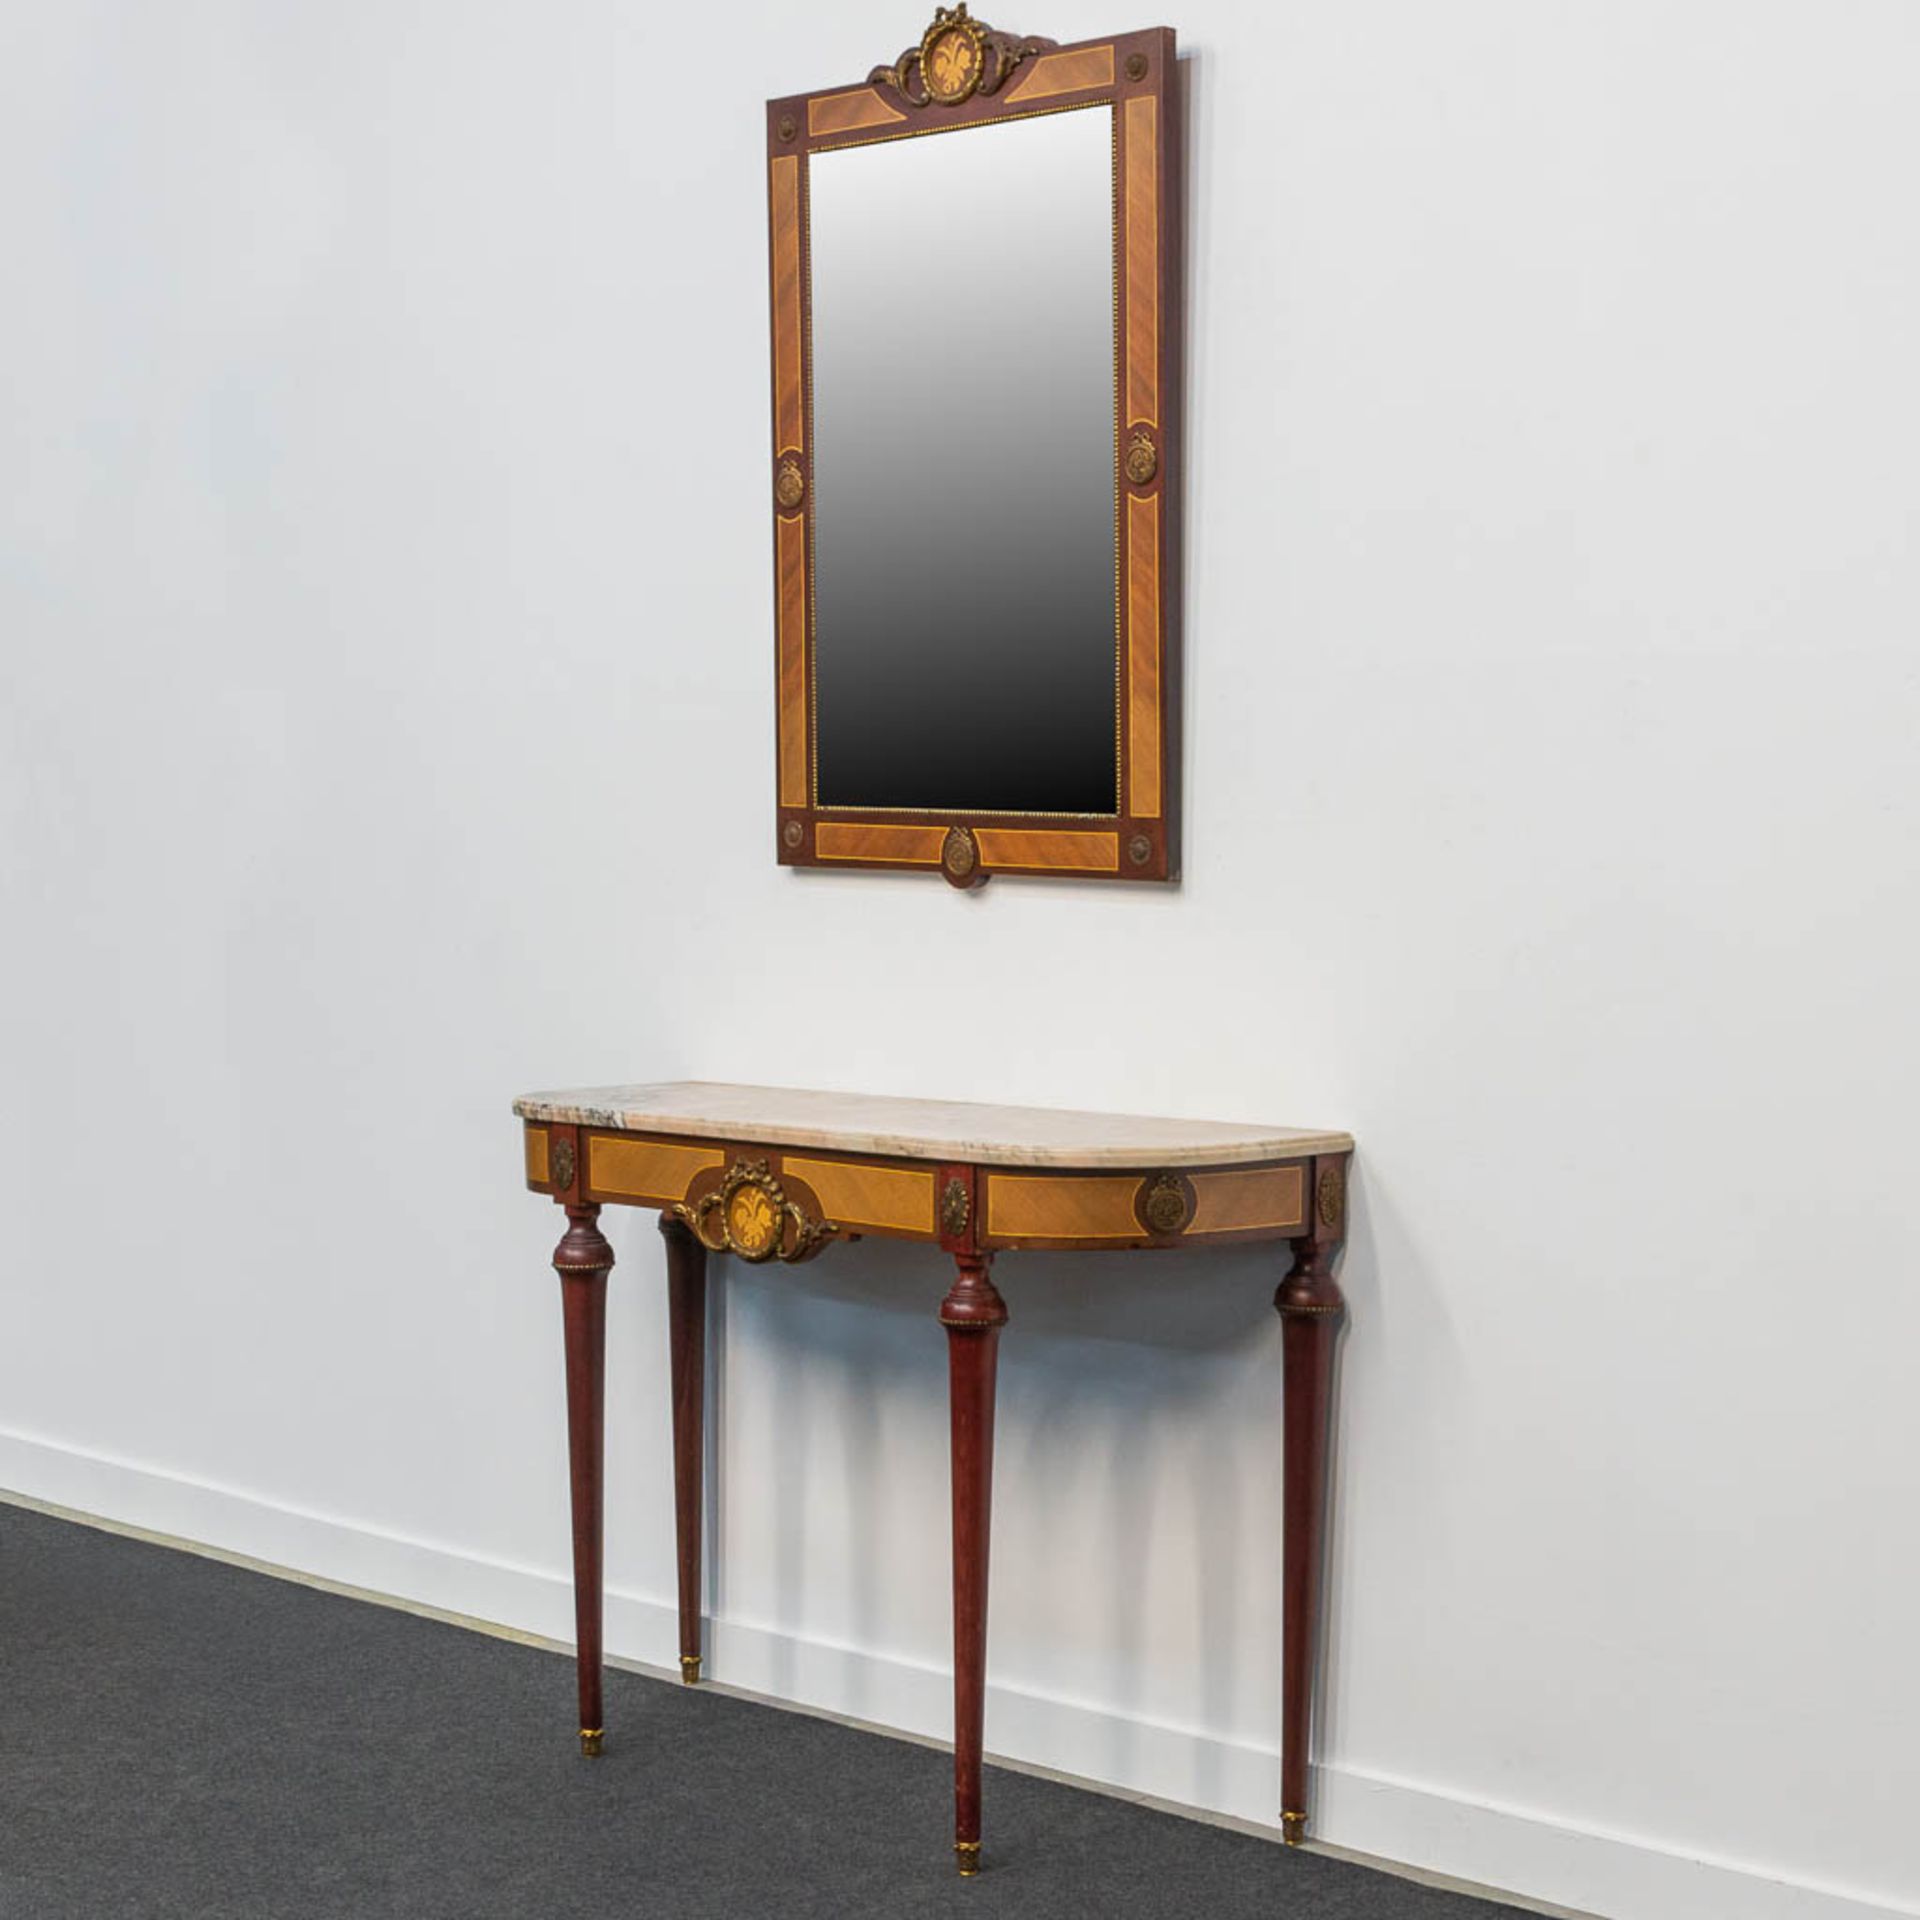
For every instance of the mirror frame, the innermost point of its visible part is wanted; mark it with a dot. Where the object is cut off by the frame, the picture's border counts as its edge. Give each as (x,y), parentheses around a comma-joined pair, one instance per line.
(963,73)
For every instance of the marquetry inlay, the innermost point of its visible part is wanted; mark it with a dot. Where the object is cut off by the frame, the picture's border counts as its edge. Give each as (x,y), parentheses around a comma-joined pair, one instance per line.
(752,1224)
(1143,654)
(646,1169)
(537,1156)
(1054,73)
(849,112)
(1240,1202)
(853,1195)
(791,559)
(850,840)
(1024,1206)
(1143,262)
(789,425)
(1063,851)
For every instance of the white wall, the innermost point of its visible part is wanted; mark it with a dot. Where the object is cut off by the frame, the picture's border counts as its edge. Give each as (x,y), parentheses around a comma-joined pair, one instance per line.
(385,598)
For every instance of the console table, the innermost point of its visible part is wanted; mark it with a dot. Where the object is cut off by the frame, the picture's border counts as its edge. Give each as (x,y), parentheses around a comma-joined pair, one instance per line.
(774,1173)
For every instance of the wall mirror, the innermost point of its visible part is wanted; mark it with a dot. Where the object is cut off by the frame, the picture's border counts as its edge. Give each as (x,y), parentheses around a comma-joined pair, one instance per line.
(976,363)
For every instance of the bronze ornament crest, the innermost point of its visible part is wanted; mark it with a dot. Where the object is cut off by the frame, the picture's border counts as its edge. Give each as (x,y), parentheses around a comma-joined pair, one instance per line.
(958,854)
(749,1215)
(1165,1207)
(958,56)
(562,1161)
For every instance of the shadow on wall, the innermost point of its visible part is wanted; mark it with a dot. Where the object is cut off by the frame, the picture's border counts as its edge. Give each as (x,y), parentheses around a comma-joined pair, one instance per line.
(1138,1398)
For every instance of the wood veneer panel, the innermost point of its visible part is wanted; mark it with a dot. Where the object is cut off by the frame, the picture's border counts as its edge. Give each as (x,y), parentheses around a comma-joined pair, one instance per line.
(791,546)
(1143,261)
(1238,1202)
(1022,1206)
(537,1161)
(1046,847)
(1143,656)
(646,1169)
(853,1195)
(848,112)
(846,840)
(787,384)
(1069,72)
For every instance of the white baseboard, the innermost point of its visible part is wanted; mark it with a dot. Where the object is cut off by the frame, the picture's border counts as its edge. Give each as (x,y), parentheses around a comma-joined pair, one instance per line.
(1395,1822)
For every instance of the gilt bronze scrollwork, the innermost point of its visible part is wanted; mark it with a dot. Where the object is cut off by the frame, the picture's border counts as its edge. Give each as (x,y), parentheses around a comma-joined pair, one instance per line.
(957,57)
(749,1215)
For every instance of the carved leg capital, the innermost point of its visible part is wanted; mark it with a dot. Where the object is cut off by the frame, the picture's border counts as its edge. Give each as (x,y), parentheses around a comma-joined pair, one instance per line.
(583,1247)
(1309,1287)
(973,1303)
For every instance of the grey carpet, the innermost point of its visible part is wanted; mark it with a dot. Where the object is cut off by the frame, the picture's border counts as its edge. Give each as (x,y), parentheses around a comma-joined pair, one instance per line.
(184,1740)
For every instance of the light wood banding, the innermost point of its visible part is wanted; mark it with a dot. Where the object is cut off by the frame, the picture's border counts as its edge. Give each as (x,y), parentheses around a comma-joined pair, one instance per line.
(790,538)
(1050,848)
(852,1195)
(848,112)
(1071,72)
(1143,655)
(789,424)
(1143,260)
(646,1169)
(848,840)
(537,1161)
(1265,1197)
(1025,1206)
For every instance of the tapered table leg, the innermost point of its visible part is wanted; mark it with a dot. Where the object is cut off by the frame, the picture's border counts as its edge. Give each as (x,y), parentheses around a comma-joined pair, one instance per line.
(973,1314)
(583,1260)
(687,1341)
(1311,1309)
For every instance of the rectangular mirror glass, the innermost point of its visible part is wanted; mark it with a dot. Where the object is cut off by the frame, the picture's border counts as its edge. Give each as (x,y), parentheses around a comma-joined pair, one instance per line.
(975,378)
(966,642)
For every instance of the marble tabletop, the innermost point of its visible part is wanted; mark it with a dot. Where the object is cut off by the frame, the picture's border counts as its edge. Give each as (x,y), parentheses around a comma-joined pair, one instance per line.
(948,1130)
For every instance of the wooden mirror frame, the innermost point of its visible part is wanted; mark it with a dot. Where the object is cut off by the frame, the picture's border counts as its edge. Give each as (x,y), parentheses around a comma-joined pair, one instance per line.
(1003,77)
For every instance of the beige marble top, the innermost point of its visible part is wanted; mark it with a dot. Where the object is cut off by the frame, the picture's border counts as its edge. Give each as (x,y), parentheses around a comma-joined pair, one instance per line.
(958,1130)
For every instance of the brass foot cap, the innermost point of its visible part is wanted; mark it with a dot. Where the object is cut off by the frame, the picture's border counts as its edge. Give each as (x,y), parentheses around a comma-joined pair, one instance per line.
(966,1856)
(1293,1828)
(690,1669)
(590,1738)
